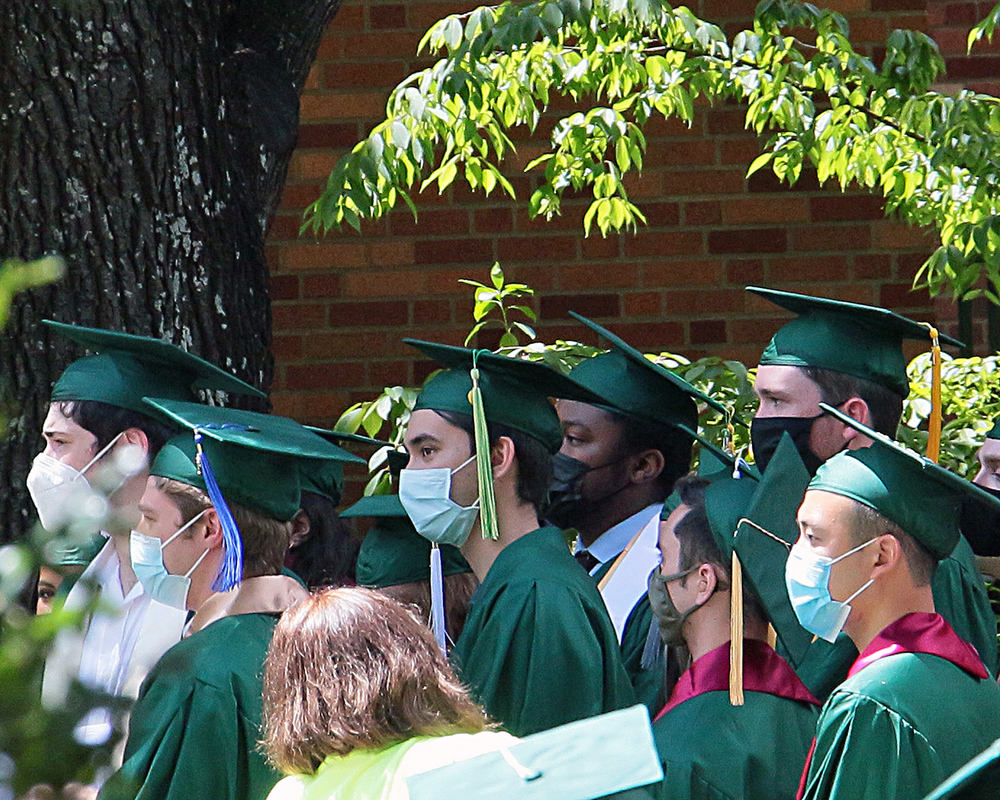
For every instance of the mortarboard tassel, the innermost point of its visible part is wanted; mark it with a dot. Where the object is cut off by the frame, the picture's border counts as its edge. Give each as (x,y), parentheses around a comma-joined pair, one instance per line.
(934,423)
(231,568)
(437,600)
(484,467)
(736,635)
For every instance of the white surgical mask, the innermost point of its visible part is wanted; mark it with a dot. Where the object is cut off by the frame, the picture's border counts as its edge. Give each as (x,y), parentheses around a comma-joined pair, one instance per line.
(426,496)
(146,554)
(807,578)
(61,493)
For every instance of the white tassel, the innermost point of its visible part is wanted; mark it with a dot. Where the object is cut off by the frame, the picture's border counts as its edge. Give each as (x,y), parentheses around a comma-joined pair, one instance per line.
(437,600)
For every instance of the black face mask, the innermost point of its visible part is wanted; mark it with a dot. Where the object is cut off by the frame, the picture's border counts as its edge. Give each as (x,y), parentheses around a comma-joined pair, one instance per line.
(980,524)
(766,433)
(567,505)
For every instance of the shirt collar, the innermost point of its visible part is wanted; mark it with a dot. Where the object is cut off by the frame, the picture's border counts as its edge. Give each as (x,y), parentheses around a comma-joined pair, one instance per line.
(610,543)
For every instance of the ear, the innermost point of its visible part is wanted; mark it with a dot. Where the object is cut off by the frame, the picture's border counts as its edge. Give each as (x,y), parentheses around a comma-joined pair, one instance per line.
(300,528)
(888,554)
(708,580)
(502,457)
(213,529)
(857,409)
(135,436)
(647,467)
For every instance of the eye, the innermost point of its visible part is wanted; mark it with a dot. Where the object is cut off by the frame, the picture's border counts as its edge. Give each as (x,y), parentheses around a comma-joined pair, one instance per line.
(46,594)
(426,451)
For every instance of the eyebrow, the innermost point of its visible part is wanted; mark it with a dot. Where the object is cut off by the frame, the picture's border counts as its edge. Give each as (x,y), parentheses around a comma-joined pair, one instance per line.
(770,393)
(573,423)
(422,438)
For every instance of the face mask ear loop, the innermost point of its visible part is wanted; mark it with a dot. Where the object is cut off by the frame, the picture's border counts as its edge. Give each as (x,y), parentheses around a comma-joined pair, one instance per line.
(852,551)
(100,454)
(184,527)
(194,566)
(859,591)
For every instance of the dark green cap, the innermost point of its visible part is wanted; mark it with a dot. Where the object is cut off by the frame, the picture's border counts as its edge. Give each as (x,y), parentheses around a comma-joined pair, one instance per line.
(995,430)
(255,458)
(128,368)
(376,505)
(629,383)
(393,553)
(978,779)
(515,393)
(326,478)
(921,497)
(765,536)
(859,340)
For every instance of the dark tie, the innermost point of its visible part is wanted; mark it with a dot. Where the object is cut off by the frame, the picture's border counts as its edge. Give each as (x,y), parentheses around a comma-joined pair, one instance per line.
(587,560)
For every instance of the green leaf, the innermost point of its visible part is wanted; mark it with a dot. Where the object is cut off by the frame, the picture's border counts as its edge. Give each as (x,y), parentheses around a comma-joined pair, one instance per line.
(496,275)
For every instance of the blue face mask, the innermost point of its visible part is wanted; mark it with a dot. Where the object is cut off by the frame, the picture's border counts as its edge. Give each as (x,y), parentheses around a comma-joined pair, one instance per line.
(426,496)
(807,577)
(146,554)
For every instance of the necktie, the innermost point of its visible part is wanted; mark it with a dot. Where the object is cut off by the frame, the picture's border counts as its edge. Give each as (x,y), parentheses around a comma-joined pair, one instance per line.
(586,559)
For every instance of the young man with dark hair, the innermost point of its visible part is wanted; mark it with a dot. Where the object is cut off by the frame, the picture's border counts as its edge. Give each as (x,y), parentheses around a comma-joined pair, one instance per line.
(98,430)
(718,737)
(216,519)
(850,357)
(874,524)
(537,649)
(619,460)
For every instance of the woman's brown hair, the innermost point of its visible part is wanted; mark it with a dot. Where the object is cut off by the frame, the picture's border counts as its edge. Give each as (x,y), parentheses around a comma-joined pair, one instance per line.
(351,669)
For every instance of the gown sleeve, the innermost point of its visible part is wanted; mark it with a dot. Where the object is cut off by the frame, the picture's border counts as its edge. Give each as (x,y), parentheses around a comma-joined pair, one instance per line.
(866,751)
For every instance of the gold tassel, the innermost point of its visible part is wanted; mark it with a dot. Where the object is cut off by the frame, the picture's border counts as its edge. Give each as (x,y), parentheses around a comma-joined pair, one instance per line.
(772,636)
(484,467)
(736,635)
(934,423)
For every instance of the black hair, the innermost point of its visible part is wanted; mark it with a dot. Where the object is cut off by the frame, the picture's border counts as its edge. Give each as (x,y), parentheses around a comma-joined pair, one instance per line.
(534,461)
(885,407)
(698,545)
(106,421)
(328,555)
(869,523)
(674,445)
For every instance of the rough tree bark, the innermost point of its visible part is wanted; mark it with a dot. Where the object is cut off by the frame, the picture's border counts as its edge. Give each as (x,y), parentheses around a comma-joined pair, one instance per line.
(147,141)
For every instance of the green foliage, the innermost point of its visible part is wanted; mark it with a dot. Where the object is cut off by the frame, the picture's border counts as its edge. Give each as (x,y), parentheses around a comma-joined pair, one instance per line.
(970,399)
(934,157)
(498,298)
(17,275)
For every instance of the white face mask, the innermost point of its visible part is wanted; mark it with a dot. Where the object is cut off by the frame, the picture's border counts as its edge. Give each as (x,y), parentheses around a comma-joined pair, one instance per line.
(146,554)
(62,494)
(426,497)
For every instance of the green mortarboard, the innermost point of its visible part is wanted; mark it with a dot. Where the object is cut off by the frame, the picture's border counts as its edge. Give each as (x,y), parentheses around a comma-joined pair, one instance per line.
(977,780)
(713,464)
(515,392)
(375,505)
(763,553)
(582,760)
(922,498)
(128,368)
(393,553)
(629,383)
(863,341)
(995,430)
(326,478)
(248,458)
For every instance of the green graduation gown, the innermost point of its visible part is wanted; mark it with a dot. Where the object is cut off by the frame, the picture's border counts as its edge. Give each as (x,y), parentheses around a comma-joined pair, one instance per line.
(538,649)
(196,725)
(711,750)
(917,705)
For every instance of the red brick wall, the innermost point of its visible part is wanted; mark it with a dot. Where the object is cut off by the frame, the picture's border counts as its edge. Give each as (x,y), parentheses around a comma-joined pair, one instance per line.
(343,302)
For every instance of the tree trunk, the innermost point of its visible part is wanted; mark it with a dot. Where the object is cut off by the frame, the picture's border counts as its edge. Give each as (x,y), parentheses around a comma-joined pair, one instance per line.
(147,141)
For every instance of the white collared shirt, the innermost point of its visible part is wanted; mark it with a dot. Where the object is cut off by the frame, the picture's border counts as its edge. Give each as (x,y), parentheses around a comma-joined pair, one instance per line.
(610,544)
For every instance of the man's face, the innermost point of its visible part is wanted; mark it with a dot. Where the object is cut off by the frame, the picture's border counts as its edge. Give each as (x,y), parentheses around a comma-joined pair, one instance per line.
(592,436)
(434,443)
(161,518)
(789,392)
(66,441)
(682,592)
(825,524)
(989,464)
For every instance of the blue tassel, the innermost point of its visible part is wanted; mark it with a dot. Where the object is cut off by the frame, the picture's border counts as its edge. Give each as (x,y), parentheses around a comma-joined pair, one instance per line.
(231,568)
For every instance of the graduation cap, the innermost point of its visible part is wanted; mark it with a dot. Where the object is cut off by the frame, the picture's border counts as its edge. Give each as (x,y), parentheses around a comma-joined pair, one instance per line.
(393,553)
(242,457)
(978,779)
(859,340)
(127,368)
(376,505)
(764,536)
(326,478)
(919,496)
(583,760)
(995,430)
(629,383)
